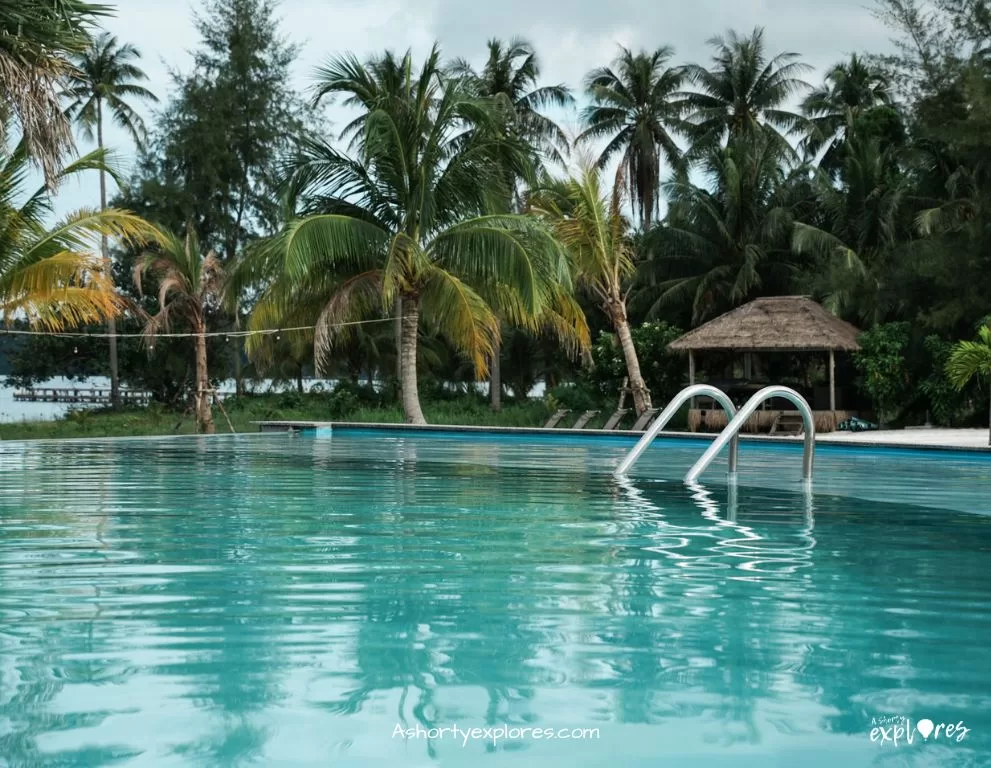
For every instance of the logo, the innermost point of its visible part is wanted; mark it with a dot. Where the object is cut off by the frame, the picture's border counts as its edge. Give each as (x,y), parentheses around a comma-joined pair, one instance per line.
(900,730)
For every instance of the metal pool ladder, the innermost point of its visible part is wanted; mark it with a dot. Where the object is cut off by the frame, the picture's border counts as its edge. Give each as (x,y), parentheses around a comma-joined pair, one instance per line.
(732,430)
(668,413)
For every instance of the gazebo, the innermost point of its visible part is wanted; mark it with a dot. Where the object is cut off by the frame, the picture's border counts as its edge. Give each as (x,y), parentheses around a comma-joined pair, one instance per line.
(775,324)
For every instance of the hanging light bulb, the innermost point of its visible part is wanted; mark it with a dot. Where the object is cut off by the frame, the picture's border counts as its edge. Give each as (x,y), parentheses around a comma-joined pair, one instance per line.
(75,350)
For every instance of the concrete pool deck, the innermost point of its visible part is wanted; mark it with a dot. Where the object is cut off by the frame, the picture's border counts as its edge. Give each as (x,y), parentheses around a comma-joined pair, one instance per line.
(920,438)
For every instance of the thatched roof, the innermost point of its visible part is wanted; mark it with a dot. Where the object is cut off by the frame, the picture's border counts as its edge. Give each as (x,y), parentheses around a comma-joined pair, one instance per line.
(776,324)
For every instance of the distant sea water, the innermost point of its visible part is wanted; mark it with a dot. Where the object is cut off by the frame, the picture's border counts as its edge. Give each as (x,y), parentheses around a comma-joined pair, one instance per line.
(12,410)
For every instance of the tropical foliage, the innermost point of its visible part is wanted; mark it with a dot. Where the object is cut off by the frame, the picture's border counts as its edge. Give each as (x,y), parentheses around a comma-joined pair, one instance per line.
(52,274)
(969,359)
(37,40)
(418,214)
(589,221)
(189,281)
(106,76)
(635,111)
(445,230)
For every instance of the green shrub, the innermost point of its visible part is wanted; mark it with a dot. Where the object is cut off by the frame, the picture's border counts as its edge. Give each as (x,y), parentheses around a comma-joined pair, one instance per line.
(663,371)
(575,397)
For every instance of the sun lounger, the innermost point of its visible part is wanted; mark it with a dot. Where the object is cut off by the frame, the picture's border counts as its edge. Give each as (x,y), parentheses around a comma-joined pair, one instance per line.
(554,420)
(584,419)
(645,418)
(616,418)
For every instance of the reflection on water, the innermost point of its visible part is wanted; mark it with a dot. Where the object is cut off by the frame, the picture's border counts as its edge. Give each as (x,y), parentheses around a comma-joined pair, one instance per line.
(289,601)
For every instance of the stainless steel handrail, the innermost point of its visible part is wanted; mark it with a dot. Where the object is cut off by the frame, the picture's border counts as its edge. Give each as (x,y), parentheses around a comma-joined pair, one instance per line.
(730,433)
(668,413)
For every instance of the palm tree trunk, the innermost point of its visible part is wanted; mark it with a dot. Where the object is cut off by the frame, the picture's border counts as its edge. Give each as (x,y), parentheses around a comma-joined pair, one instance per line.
(204,414)
(641,395)
(238,346)
(397,312)
(495,377)
(299,378)
(410,332)
(105,252)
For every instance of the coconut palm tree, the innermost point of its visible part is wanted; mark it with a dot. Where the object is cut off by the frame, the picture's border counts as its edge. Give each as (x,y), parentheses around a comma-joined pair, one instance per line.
(50,274)
(969,359)
(510,78)
(590,222)
(37,39)
(408,219)
(727,240)
(189,282)
(850,89)
(743,92)
(858,232)
(634,108)
(105,75)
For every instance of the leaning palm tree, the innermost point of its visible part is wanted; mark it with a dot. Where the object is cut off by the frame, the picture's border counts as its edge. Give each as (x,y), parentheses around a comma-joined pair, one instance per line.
(634,108)
(743,92)
(590,222)
(105,75)
(969,359)
(510,79)
(50,274)
(37,39)
(850,89)
(408,219)
(188,282)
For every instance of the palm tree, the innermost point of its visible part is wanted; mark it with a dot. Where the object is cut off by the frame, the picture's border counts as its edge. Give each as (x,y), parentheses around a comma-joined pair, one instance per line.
(37,38)
(743,92)
(590,223)
(969,359)
(407,219)
(850,89)
(188,282)
(634,107)
(49,274)
(727,240)
(859,229)
(105,75)
(510,78)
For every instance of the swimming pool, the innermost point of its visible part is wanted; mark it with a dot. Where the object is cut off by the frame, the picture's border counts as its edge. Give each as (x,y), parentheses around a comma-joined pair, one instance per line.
(349,600)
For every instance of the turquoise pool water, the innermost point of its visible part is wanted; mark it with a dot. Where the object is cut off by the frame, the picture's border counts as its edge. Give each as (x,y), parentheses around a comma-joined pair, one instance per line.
(312,600)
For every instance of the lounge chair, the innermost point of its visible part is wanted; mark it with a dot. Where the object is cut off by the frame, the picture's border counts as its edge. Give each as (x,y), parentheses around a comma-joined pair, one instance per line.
(615,418)
(554,420)
(584,419)
(645,418)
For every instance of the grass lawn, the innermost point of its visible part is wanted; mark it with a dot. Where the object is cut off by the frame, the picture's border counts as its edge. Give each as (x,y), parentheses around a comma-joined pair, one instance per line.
(156,420)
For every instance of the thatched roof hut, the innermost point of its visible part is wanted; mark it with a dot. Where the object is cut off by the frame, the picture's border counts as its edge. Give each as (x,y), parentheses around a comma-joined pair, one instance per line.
(774,324)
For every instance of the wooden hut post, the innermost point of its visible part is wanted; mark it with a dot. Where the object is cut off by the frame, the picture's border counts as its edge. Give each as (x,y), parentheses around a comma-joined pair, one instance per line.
(832,382)
(691,375)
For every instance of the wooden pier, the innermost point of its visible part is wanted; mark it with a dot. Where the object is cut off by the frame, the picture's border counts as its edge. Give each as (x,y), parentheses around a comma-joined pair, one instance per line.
(82,395)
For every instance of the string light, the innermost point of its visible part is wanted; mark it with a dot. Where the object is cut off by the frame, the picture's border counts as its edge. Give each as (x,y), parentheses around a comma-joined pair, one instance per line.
(228,335)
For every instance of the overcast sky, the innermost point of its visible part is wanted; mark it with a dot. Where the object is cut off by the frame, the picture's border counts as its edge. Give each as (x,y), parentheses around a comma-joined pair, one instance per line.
(570,37)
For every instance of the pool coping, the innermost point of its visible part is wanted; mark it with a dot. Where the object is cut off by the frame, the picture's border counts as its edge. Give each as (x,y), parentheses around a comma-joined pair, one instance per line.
(287,425)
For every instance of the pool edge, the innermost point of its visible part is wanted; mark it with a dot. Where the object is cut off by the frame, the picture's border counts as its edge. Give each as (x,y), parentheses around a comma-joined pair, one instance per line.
(287,425)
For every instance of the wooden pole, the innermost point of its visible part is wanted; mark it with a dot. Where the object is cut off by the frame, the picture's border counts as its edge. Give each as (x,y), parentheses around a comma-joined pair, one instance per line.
(691,375)
(832,382)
